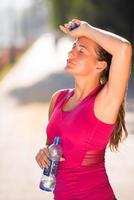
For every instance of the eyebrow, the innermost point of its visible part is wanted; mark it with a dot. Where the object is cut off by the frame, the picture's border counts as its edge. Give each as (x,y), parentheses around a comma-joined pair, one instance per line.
(80,46)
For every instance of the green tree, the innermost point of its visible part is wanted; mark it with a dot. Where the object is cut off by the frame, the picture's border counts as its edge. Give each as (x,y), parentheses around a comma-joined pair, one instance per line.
(61,11)
(115,15)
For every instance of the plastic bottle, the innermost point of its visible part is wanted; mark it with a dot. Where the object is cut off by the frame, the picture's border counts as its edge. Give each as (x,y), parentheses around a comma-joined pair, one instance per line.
(73,26)
(48,179)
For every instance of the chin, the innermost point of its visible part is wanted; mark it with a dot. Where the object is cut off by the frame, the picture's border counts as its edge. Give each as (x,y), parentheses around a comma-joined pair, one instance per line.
(68,69)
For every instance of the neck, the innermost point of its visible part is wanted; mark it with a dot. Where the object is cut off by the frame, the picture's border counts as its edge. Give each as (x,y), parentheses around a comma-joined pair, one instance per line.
(83,88)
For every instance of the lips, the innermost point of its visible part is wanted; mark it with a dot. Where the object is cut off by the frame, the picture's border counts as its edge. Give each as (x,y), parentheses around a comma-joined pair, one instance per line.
(70,61)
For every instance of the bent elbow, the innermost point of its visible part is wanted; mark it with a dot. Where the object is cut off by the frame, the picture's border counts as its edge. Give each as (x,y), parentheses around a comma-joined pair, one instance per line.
(127,47)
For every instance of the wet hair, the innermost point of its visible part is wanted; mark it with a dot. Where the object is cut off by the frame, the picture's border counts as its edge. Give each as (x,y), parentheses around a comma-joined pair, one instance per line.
(120,131)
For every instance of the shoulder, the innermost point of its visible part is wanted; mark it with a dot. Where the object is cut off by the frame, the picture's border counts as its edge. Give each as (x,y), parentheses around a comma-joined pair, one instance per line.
(54,98)
(57,94)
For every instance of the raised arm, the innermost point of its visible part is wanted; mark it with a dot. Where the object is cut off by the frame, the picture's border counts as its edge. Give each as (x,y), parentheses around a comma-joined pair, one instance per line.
(120,49)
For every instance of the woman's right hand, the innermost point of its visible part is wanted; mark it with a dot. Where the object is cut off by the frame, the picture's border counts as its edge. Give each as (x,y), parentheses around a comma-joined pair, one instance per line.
(81,30)
(42,158)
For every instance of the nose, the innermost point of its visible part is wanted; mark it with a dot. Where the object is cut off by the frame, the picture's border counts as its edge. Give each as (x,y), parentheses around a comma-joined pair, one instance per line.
(71,53)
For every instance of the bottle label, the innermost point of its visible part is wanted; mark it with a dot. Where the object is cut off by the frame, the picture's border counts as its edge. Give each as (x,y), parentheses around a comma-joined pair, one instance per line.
(52,169)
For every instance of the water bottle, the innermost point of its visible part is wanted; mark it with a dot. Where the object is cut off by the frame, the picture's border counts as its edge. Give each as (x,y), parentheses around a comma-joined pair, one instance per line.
(73,26)
(48,180)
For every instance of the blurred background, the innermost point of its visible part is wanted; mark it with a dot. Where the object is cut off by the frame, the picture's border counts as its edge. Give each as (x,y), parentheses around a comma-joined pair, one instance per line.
(33,54)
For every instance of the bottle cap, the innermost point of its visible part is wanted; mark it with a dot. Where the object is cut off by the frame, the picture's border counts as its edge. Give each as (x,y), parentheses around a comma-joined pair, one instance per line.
(73,26)
(57,140)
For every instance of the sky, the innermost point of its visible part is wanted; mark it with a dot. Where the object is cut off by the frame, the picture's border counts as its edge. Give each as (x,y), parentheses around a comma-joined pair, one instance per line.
(17,4)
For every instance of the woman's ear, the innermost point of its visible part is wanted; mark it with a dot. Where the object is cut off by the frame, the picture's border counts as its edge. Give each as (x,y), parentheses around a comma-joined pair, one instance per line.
(101,65)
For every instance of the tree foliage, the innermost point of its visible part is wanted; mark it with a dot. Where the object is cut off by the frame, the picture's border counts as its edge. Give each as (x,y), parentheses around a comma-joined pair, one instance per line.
(114,15)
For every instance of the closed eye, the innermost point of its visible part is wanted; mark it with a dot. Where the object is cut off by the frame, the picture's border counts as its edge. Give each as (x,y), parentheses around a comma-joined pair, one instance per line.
(81,50)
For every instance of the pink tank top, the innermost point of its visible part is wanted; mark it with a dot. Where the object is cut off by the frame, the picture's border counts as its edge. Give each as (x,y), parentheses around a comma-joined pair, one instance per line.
(84,137)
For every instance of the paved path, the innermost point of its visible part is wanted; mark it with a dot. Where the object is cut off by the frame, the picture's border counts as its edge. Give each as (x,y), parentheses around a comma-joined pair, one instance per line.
(22,129)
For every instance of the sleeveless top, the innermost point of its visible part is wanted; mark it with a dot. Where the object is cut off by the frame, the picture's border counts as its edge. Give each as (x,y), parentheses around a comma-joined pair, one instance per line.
(84,137)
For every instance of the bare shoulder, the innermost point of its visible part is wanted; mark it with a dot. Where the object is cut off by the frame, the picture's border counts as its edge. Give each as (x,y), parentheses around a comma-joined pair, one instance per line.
(106,106)
(51,107)
(53,101)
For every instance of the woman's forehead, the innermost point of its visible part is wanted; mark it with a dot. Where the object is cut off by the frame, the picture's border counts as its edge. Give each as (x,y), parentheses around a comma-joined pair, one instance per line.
(88,43)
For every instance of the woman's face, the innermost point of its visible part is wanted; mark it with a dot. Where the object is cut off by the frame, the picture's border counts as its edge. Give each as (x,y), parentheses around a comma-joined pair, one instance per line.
(82,59)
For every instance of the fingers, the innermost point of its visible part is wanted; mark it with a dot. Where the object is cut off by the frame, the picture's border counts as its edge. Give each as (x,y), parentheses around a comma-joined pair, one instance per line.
(44,151)
(42,163)
(77,21)
(68,27)
(42,158)
(65,30)
(62,159)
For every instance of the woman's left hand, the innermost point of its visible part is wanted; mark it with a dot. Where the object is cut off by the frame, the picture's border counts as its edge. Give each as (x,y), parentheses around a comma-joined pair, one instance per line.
(80,31)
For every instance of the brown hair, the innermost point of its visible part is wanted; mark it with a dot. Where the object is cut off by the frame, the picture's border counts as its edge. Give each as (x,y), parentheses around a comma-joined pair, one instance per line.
(120,127)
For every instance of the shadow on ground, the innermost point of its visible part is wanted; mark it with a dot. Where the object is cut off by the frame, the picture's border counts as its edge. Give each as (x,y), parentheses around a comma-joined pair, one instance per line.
(42,91)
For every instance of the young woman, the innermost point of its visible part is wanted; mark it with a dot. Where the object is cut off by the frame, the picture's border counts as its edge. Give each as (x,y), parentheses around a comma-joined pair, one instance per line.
(89,117)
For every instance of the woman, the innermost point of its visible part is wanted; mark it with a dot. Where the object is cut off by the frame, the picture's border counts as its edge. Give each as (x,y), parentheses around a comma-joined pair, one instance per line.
(90,116)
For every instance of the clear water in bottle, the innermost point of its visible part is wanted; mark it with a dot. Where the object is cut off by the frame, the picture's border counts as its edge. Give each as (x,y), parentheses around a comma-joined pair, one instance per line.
(48,180)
